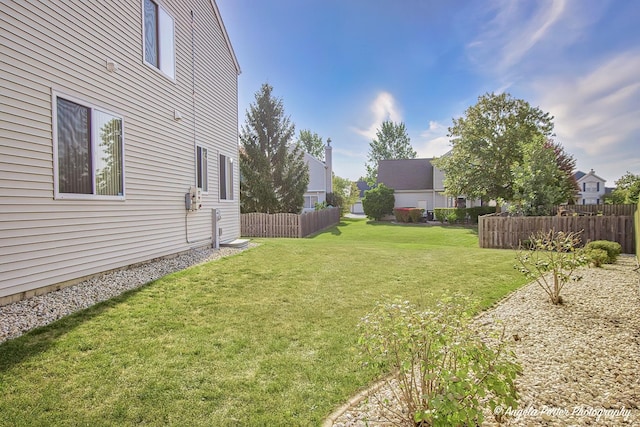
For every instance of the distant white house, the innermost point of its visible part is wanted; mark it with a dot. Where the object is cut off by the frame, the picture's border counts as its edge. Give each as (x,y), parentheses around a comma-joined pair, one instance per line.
(592,188)
(320,179)
(118,137)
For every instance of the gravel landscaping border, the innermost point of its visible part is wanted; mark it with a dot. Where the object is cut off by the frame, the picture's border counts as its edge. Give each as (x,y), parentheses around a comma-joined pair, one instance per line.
(22,316)
(580,360)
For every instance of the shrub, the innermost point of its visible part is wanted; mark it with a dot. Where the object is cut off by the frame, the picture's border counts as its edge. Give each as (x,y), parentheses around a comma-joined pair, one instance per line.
(321,205)
(447,373)
(477,211)
(613,249)
(452,218)
(335,200)
(401,214)
(408,214)
(597,257)
(440,214)
(415,214)
(558,253)
(378,202)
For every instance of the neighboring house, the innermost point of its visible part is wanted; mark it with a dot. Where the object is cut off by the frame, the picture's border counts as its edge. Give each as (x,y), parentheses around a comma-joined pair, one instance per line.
(357,208)
(417,183)
(111,112)
(320,179)
(592,188)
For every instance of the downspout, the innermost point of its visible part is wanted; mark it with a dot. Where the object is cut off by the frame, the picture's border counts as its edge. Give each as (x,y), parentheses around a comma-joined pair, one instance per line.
(195,140)
(193,99)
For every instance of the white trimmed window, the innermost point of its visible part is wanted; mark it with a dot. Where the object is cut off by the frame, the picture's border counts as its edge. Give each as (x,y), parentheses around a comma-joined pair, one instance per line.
(88,144)
(310,202)
(202,169)
(158,35)
(226,177)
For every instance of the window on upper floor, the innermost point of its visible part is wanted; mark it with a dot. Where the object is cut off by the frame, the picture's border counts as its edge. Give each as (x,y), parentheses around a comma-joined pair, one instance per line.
(226,177)
(591,187)
(202,169)
(88,151)
(158,35)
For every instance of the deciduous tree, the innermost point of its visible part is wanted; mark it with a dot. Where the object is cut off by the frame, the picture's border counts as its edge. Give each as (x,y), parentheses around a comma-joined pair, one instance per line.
(487,142)
(627,190)
(539,182)
(312,143)
(348,191)
(391,142)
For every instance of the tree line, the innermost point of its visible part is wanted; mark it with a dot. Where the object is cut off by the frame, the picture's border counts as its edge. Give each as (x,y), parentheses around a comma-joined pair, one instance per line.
(502,150)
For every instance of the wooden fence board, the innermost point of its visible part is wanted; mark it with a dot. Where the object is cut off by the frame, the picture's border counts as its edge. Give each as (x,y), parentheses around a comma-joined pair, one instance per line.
(509,232)
(286,224)
(606,210)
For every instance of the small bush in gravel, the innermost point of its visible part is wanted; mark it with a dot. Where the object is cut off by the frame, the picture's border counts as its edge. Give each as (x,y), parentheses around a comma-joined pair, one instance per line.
(613,249)
(447,373)
(551,260)
(597,257)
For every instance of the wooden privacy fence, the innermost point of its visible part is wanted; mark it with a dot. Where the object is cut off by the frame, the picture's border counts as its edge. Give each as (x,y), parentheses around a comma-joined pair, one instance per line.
(287,224)
(509,232)
(618,210)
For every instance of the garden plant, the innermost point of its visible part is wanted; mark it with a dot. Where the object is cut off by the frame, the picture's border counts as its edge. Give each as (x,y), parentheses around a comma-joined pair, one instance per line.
(551,259)
(447,372)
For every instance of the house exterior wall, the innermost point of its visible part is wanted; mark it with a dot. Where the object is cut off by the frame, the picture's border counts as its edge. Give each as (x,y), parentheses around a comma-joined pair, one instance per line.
(61,48)
(592,190)
(438,179)
(316,190)
(419,199)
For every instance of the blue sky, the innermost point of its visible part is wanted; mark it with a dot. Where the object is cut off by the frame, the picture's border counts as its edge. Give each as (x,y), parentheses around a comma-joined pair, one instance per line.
(341,67)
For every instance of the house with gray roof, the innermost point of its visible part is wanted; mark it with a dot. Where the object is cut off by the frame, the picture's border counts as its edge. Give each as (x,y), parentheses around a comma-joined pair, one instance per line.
(418,183)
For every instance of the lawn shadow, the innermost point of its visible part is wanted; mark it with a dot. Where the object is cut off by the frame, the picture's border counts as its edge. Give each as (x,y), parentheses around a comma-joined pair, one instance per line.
(17,350)
(473,228)
(336,229)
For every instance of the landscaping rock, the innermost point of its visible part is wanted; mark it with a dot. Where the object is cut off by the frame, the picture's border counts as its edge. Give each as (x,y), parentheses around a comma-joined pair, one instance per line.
(580,360)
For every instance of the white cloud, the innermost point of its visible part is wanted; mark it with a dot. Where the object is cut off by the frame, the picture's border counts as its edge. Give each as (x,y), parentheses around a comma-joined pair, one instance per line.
(596,114)
(383,108)
(595,111)
(350,153)
(516,28)
(433,142)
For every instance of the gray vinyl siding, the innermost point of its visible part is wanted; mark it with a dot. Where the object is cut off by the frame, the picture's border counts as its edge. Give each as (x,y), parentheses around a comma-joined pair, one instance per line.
(61,48)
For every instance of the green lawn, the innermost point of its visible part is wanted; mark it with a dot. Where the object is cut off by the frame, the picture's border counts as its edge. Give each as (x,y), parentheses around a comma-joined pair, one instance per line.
(266,337)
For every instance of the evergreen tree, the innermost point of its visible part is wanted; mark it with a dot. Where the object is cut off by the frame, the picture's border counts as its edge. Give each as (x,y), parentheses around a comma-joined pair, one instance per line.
(274,176)
(391,142)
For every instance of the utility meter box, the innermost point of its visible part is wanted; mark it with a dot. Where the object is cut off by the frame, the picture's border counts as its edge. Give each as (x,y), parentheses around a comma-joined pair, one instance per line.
(193,199)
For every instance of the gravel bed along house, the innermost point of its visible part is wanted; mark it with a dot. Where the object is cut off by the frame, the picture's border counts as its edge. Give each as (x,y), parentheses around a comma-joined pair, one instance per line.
(20,317)
(580,360)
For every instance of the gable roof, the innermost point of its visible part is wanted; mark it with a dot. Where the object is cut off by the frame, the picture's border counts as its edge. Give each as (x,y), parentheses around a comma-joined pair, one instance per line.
(226,36)
(587,175)
(362,187)
(406,174)
(578,175)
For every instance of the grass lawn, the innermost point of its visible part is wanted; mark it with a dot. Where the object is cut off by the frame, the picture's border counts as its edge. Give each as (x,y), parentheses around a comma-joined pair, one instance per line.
(266,337)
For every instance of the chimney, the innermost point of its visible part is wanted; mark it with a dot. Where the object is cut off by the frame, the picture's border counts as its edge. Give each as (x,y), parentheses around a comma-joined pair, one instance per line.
(328,167)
